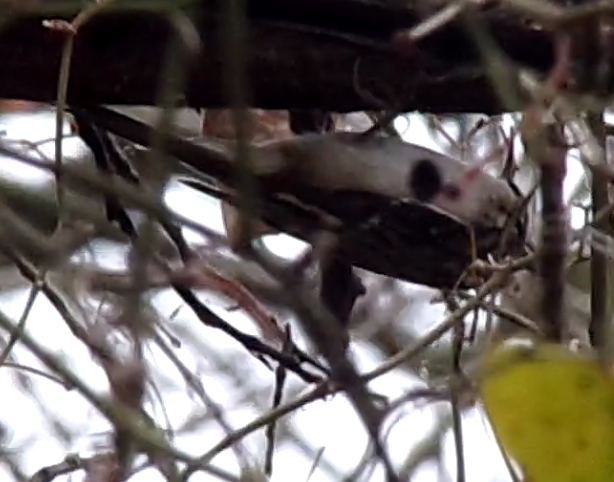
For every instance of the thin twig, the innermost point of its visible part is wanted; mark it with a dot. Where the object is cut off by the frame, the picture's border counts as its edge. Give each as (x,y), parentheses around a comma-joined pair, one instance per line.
(280,381)
(70,31)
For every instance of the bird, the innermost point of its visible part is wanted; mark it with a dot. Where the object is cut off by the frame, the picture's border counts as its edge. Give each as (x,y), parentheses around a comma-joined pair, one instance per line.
(394,208)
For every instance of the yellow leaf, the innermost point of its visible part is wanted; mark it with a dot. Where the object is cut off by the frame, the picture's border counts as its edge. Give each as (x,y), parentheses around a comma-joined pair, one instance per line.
(552,411)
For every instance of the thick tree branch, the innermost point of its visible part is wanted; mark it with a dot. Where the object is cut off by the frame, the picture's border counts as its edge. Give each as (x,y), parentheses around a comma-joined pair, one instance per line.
(303,54)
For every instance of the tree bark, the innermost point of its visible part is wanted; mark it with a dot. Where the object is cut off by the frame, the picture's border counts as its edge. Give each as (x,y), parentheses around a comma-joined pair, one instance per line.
(302,54)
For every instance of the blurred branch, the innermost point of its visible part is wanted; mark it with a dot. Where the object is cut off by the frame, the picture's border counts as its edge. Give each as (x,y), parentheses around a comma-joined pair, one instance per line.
(590,38)
(301,54)
(545,143)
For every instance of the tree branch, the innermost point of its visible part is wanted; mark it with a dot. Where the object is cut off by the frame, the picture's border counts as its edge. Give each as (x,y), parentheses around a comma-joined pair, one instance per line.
(302,54)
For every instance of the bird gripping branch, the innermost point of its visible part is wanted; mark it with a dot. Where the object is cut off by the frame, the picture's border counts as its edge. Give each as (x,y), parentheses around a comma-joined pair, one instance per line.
(395,208)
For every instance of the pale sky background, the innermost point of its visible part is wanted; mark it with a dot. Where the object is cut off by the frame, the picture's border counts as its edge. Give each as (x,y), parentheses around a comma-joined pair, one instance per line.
(330,425)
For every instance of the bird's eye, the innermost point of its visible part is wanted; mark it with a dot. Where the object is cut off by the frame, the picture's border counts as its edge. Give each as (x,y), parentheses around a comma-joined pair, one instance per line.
(452,191)
(424,180)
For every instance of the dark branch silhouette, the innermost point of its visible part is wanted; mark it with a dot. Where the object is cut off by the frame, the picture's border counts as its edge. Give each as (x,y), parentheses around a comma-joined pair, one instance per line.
(333,55)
